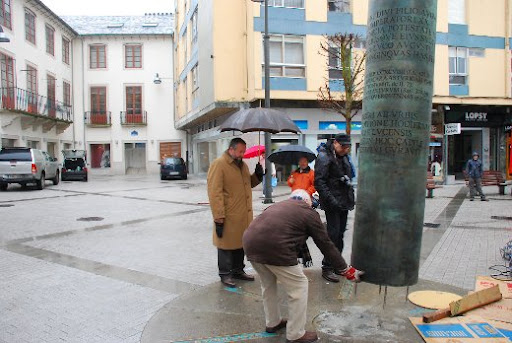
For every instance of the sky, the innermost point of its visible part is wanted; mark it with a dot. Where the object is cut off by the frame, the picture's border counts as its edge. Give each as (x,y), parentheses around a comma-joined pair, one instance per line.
(108,7)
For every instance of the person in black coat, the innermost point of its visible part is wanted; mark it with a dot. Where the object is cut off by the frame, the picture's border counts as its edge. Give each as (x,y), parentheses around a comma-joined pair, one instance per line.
(333,182)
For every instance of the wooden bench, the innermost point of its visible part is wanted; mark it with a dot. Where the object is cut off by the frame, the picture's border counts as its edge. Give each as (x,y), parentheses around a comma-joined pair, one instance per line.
(493,178)
(431,185)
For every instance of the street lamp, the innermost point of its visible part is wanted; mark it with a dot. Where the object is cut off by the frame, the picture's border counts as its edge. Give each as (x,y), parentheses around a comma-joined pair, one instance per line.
(3,36)
(266,52)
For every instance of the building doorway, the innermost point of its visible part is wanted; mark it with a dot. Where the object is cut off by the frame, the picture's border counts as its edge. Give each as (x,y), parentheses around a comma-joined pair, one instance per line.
(135,158)
(461,148)
(170,149)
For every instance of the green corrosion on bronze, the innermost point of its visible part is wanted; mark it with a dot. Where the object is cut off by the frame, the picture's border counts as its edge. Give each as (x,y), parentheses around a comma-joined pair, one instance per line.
(394,143)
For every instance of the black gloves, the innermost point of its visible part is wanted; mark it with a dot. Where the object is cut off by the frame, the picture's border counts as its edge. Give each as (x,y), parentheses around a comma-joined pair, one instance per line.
(259,171)
(219,227)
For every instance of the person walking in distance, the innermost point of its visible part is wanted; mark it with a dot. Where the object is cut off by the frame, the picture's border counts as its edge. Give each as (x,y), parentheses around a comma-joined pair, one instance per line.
(333,176)
(474,171)
(229,191)
(271,243)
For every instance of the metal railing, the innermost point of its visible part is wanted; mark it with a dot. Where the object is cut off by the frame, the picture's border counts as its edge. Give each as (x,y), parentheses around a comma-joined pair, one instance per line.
(98,118)
(131,118)
(22,100)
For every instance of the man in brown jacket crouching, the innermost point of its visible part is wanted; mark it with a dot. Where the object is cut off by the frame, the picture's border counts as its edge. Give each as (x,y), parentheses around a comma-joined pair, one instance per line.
(272,242)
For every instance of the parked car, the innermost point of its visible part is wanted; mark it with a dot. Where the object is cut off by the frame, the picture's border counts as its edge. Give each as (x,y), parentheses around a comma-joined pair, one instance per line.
(173,167)
(75,165)
(27,166)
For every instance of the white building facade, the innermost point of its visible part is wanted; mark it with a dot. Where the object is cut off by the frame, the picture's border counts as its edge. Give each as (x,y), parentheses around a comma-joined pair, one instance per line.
(123,76)
(36,78)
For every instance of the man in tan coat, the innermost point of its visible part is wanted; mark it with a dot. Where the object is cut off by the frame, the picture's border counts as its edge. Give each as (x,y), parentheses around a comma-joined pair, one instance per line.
(230,194)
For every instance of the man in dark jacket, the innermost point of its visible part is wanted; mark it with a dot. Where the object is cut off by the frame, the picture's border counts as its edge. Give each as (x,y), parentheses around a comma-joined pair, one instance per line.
(333,177)
(474,171)
(271,243)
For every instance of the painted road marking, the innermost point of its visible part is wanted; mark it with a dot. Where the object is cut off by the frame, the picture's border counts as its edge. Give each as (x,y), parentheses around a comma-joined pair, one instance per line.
(232,338)
(241,292)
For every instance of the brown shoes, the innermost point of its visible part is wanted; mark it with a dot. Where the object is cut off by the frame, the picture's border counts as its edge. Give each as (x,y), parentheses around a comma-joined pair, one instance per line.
(309,336)
(227,281)
(276,328)
(243,276)
(330,276)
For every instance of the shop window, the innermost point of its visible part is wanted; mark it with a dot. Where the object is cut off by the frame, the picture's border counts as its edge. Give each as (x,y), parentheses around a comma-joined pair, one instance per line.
(100,155)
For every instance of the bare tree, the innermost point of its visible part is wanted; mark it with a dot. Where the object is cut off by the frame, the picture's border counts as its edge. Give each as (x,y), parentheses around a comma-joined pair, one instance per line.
(345,66)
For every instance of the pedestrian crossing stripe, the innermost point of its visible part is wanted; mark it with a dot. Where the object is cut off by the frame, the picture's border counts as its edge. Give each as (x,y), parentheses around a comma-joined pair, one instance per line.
(232,338)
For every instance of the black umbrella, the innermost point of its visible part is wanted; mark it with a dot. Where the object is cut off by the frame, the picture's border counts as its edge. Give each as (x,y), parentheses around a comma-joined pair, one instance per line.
(290,154)
(259,119)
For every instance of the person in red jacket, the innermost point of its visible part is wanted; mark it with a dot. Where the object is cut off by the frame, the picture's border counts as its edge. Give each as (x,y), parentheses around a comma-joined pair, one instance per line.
(303,177)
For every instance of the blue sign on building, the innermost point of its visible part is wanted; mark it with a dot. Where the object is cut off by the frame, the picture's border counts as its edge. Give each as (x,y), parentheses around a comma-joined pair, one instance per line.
(338,125)
(301,124)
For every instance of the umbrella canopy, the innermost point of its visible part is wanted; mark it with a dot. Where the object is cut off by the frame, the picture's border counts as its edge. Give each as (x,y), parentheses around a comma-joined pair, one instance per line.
(290,154)
(254,151)
(259,119)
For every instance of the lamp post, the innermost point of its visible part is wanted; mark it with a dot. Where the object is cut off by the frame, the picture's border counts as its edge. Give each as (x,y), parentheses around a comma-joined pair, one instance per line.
(266,52)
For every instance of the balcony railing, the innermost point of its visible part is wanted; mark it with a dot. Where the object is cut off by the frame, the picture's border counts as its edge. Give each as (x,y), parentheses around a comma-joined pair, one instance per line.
(98,118)
(21,100)
(130,118)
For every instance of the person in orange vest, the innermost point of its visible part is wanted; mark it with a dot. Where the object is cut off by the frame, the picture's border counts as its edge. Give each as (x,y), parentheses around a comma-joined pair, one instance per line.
(303,177)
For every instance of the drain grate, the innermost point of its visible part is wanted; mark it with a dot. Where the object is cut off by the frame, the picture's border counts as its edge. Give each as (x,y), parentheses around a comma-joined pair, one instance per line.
(501,217)
(90,219)
(6,205)
(432,225)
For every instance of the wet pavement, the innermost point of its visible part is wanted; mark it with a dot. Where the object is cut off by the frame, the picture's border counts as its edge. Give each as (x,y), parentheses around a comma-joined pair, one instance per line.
(130,259)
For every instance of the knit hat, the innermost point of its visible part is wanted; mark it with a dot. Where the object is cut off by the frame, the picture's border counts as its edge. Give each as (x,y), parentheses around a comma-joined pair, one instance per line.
(475,153)
(300,194)
(343,139)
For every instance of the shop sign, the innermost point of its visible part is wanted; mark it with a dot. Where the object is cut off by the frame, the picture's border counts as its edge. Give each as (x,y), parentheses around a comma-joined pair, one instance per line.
(476,116)
(452,129)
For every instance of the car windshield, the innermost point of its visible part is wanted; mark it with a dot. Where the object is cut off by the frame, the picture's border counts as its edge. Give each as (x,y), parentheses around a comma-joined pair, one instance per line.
(73,153)
(171,160)
(15,155)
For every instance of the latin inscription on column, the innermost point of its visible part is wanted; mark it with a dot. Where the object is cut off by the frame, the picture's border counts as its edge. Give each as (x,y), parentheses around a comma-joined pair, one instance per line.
(397,107)
(397,34)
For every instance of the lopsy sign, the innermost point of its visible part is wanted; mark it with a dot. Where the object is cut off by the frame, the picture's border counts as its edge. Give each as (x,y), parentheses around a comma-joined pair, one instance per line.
(476,116)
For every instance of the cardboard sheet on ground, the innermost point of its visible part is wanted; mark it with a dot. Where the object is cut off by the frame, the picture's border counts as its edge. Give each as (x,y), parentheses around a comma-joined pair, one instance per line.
(466,329)
(504,328)
(483,282)
(433,299)
(500,310)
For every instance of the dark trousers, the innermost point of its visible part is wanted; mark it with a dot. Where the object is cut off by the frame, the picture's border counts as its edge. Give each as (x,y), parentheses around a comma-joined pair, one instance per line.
(475,187)
(336,227)
(230,261)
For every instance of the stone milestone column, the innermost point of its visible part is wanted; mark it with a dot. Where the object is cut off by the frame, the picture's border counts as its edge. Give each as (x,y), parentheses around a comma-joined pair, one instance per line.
(394,144)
